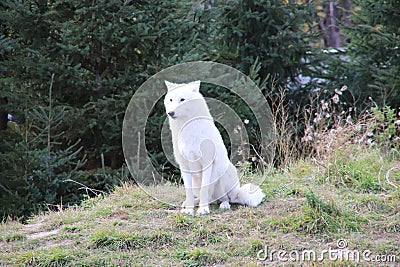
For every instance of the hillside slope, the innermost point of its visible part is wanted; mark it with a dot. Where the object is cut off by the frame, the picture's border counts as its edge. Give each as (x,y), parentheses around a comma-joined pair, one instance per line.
(306,211)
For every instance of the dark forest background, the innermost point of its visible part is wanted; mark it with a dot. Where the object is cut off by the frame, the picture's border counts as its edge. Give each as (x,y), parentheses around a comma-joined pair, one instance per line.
(69,68)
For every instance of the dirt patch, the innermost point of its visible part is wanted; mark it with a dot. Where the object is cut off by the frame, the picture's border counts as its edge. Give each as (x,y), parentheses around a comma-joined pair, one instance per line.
(36,231)
(43,234)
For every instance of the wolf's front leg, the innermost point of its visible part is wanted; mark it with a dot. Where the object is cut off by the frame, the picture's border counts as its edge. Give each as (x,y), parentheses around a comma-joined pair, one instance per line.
(206,191)
(188,204)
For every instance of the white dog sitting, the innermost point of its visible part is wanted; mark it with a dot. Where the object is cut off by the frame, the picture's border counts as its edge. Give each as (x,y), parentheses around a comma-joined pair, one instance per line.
(207,173)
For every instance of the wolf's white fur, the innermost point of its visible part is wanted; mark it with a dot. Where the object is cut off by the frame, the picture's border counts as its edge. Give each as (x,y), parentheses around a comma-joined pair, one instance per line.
(206,170)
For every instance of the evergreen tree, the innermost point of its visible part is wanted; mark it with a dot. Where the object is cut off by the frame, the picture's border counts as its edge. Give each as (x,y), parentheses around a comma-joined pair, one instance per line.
(36,169)
(100,52)
(373,66)
(274,31)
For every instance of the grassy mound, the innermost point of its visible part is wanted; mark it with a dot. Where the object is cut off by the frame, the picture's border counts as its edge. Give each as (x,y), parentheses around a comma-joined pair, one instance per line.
(310,208)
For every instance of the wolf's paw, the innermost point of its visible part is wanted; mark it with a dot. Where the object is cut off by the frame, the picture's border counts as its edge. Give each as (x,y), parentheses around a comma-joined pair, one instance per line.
(187,211)
(225,205)
(203,210)
(187,203)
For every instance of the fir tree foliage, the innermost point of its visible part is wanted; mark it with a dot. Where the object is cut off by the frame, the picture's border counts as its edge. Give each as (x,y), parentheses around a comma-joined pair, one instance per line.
(372,65)
(38,168)
(275,32)
(100,52)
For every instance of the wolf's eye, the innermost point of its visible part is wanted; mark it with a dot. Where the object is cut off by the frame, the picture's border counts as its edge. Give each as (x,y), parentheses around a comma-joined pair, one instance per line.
(170,99)
(182,99)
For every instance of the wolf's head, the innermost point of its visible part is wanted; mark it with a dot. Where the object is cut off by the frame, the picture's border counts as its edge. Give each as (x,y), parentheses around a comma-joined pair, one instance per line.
(184,101)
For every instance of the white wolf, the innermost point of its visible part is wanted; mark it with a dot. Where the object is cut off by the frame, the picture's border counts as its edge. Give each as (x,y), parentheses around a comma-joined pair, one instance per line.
(207,173)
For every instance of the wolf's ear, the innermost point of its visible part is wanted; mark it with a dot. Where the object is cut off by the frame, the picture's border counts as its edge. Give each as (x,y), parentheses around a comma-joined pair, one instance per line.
(170,85)
(194,86)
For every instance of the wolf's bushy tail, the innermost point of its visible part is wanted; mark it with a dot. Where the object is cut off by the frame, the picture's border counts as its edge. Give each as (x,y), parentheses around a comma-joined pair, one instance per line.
(248,194)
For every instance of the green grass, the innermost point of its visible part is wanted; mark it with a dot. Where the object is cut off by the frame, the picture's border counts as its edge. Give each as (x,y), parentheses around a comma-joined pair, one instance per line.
(363,171)
(308,207)
(324,216)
